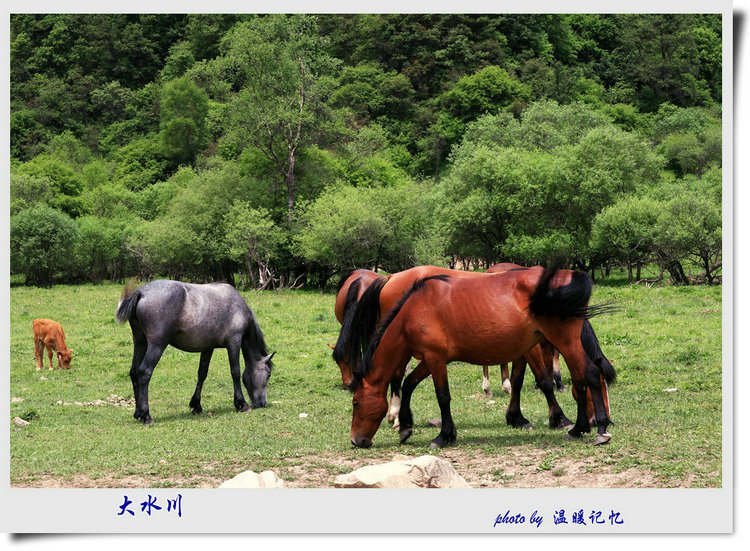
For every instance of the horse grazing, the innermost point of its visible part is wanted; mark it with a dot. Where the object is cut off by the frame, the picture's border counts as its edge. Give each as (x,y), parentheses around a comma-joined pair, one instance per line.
(194,318)
(381,294)
(485,321)
(50,335)
(384,293)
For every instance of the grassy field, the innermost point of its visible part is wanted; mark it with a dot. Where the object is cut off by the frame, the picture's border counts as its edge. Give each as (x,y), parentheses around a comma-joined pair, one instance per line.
(665,343)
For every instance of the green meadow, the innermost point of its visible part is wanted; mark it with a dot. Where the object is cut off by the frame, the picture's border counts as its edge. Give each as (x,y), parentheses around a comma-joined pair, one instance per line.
(665,343)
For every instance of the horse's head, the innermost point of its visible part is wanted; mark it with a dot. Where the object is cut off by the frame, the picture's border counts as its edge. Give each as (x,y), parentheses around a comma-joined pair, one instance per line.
(369,406)
(256,381)
(65,358)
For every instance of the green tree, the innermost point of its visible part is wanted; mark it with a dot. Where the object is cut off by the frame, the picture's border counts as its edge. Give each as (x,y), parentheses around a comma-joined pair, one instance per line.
(689,227)
(253,239)
(282,69)
(42,244)
(27,190)
(626,232)
(187,238)
(100,251)
(184,107)
(352,227)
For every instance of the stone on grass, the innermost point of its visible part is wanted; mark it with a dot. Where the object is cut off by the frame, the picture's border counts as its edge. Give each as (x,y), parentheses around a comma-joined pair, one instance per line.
(17,421)
(426,471)
(250,479)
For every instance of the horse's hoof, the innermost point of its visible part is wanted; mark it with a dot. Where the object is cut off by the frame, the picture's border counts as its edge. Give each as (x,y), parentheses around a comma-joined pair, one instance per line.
(602,439)
(526,426)
(404,435)
(148,422)
(197,411)
(564,424)
(441,442)
(246,407)
(506,386)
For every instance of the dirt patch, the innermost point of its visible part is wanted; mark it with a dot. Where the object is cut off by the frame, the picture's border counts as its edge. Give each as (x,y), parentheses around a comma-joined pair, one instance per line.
(518,468)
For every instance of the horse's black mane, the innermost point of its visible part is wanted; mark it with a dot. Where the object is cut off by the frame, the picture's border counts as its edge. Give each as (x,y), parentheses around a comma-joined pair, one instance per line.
(364,320)
(350,308)
(359,371)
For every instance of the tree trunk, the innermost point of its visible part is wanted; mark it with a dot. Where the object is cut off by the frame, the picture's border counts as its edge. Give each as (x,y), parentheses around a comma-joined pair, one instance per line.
(290,188)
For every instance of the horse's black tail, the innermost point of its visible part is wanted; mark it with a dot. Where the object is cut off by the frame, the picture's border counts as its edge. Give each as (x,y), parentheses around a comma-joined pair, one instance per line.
(591,346)
(365,320)
(569,301)
(350,308)
(128,301)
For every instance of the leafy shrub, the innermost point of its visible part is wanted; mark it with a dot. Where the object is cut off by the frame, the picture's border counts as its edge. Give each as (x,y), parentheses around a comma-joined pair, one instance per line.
(42,244)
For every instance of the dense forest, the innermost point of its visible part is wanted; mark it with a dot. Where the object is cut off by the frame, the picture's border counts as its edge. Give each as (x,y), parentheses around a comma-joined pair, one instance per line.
(282,150)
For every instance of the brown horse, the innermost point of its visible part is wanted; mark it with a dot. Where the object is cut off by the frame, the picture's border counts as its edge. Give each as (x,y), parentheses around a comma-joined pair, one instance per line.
(384,293)
(359,319)
(485,321)
(380,297)
(351,288)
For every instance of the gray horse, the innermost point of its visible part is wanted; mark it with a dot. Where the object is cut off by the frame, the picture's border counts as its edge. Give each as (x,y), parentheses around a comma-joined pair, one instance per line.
(194,318)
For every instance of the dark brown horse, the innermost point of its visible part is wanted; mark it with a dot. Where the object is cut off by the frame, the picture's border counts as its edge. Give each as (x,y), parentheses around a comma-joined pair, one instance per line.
(485,321)
(384,293)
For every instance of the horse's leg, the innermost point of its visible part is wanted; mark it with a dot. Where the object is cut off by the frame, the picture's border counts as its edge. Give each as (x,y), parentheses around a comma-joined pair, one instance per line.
(140,375)
(585,375)
(439,373)
(195,401)
(233,351)
(536,360)
(513,415)
(486,381)
(556,370)
(395,403)
(140,345)
(405,418)
(507,386)
(590,404)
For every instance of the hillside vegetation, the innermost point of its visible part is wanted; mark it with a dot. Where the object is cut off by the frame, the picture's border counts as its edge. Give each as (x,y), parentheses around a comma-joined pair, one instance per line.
(289,149)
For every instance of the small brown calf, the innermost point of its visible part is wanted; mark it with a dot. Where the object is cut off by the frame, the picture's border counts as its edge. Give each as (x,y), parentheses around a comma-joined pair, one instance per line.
(48,333)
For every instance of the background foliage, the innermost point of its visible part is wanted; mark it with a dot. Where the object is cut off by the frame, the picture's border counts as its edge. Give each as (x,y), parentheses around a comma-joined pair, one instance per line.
(293,148)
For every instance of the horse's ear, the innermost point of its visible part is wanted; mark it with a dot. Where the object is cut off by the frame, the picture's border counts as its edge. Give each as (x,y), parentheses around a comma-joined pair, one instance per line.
(271,355)
(331,347)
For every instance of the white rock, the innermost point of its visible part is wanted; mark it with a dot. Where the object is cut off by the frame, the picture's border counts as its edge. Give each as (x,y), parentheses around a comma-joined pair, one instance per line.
(15,400)
(250,479)
(302,415)
(20,422)
(426,471)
